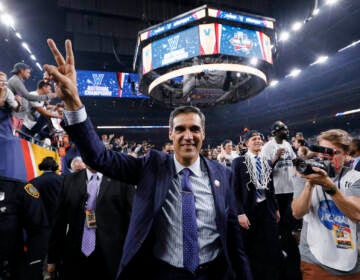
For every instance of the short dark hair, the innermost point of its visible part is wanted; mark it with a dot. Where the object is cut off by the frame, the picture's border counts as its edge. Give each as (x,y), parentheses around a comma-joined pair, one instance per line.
(301,142)
(186,110)
(356,143)
(48,163)
(166,143)
(225,142)
(42,84)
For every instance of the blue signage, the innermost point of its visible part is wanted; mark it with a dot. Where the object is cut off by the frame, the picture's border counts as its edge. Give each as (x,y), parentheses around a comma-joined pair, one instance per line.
(108,84)
(177,47)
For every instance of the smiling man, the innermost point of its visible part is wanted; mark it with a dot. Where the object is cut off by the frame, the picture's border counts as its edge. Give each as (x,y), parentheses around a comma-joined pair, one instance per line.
(258,211)
(183,224)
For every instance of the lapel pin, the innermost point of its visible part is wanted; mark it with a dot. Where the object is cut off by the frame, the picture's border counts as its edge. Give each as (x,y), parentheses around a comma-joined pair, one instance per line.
(217,183)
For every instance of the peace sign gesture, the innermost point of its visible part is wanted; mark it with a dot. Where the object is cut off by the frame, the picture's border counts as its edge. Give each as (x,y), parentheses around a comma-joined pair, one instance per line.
(64,76)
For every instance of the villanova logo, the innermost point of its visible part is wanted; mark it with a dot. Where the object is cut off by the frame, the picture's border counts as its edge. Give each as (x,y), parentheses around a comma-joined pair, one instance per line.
(173,42)
(207,31)
(98,79)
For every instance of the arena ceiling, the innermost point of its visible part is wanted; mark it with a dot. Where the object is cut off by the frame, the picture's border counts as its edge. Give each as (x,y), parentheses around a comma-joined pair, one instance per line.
(104,37)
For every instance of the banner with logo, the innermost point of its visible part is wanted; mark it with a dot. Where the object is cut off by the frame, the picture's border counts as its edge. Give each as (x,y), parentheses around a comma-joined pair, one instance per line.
(177,47)
(108,84)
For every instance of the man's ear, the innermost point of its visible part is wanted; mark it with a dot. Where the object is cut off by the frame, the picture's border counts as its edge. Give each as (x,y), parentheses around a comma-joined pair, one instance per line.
(171,136)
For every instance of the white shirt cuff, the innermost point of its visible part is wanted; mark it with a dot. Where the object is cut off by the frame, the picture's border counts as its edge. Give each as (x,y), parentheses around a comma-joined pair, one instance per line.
(75,117)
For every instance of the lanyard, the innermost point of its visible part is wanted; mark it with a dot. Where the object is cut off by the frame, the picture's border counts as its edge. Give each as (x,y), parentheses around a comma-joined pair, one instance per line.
(326,200)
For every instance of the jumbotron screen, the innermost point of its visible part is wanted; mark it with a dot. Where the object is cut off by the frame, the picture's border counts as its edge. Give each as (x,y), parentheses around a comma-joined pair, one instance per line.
(205,57)
(206,39)
(108,84)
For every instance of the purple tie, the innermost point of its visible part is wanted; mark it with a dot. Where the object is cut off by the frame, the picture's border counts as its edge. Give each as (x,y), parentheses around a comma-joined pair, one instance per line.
(190,238)
(89,234)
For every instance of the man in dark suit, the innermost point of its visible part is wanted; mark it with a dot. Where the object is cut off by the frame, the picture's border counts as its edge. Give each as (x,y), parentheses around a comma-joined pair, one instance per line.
(49,185)
(183,224)
(355,154)
(112,212)
(258,212)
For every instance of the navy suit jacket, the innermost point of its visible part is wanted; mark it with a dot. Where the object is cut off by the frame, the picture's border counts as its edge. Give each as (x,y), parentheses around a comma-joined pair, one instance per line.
(153,174)
(49,186)
(113,206)
(245,190)
(357,167)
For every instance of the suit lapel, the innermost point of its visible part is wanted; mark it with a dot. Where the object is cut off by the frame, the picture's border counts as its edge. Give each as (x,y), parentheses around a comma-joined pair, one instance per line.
(218,188)
(82,180)
(103,187)
(164,180)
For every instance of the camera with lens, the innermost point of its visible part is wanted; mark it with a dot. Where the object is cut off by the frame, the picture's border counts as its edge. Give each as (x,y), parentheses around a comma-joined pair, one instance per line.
(304,166)
(322,150)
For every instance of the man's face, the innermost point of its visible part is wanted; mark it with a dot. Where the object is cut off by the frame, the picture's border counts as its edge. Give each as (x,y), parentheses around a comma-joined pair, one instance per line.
(169,149)
(46,89)
(187,135)
(282,133)
(25,73)
(338,159)
(228,148)
(254,144)
(297,144)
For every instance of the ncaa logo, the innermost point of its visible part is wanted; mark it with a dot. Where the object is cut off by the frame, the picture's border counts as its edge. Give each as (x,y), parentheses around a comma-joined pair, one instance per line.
(98,79)
(173,42)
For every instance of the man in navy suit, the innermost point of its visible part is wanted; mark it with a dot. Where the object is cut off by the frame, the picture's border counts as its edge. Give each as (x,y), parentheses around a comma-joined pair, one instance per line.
(155,241)
(258,212)
(355,153)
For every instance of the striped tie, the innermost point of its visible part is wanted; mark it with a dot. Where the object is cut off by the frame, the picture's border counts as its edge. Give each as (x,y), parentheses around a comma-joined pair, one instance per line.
(259,192)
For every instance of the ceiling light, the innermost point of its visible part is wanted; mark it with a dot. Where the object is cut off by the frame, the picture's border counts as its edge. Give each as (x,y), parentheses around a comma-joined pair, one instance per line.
(130,126)
(17,34)
(284,36)
(331,2)
(33,57)
(26,47)
(1,7)
(316,12)
(349,46)
(347,112)
(296,26)
(274,83)
(294,73)
(39,66)
(8,20)
(320,59)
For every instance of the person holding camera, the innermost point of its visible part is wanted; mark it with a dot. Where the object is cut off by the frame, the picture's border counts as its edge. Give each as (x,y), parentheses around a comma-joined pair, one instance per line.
(330,207)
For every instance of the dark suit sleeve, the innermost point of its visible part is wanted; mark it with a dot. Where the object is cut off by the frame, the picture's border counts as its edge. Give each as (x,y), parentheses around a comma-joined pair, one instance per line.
(272,190)
(113,164)
(58,231)
(239,260)
(236,185)
(35,225)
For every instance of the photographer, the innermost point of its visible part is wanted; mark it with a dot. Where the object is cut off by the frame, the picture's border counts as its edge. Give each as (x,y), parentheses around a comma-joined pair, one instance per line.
(331,209)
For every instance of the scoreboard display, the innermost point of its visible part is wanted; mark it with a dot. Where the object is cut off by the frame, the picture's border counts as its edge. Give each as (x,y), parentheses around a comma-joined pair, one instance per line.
(205,57)
(108,84)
